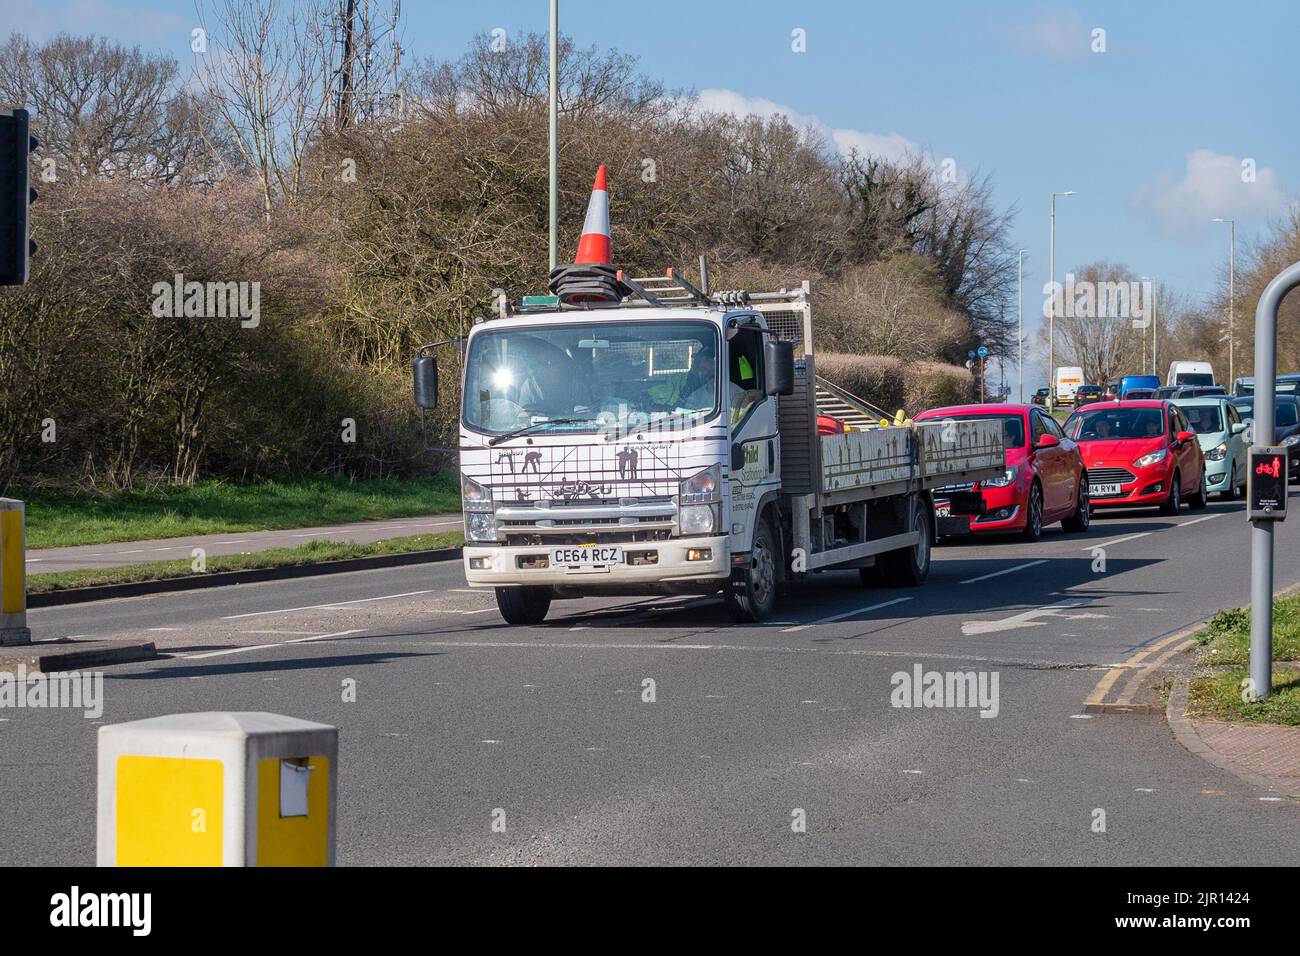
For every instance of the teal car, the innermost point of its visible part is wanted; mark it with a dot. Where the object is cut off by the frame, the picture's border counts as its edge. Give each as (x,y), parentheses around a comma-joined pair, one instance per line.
(1218,427)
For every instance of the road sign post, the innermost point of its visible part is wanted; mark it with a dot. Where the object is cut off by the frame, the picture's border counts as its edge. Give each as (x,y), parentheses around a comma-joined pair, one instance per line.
(1261,528)
(13,573)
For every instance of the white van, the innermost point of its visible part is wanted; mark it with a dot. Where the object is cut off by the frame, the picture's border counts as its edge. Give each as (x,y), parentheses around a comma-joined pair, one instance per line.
(1190,373)
(1068,380)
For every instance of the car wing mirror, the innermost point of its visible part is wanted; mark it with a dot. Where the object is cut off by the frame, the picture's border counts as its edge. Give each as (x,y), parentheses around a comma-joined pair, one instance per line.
(1185,437)
(1238,427)
(1047,441)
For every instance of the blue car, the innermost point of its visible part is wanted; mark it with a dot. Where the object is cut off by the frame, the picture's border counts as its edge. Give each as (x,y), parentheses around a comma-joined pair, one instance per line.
(1219,431)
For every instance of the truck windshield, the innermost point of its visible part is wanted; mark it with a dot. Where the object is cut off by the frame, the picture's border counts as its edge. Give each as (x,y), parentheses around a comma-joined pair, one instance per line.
(595,375)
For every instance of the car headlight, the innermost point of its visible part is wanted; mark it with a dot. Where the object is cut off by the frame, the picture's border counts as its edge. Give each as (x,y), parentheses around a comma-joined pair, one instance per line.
(696,519)
(1006,479)
(1290,440)
(480,526)
(702,486)
(1217,453)
(473,496)
(1153,458)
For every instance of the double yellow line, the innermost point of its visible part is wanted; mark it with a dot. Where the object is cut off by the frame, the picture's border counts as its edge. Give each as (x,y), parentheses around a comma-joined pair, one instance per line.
(1138,667)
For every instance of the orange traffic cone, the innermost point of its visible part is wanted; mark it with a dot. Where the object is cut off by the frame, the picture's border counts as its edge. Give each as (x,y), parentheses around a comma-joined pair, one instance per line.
(594,245)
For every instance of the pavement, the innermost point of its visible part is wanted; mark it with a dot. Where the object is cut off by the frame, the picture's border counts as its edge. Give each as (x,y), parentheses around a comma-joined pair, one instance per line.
(656,731)
(46,560)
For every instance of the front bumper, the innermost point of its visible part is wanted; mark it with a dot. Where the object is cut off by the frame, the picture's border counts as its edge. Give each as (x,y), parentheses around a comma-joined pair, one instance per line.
(1150,487)
(670,565)
(1004,510)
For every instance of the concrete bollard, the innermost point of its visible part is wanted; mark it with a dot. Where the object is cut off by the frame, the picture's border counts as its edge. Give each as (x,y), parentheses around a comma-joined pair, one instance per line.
(13,573)
(217,789)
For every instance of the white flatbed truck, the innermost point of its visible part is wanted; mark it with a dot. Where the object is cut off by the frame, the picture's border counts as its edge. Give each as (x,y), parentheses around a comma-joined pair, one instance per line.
(667,443)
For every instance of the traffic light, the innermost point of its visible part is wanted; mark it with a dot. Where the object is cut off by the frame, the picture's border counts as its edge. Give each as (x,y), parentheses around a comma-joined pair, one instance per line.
(16,194)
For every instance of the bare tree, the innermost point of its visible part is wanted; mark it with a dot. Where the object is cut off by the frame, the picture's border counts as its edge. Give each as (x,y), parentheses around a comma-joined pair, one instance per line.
(264,71)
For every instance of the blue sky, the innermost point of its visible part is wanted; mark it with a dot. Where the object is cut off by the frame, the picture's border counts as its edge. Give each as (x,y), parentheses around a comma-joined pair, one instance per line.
(1151,133)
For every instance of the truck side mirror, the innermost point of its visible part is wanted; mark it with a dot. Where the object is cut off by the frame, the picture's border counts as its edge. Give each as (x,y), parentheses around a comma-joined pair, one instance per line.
(425,376)
(779,366)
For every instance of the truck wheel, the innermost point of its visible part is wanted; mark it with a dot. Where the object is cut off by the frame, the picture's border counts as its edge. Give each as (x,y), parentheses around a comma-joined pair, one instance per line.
(751,592)
(524,605)
(909,567)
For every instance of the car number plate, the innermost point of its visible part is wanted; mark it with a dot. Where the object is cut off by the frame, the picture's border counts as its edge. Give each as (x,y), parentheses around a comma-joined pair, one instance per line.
(943,511)
(1102,491)
(586,556)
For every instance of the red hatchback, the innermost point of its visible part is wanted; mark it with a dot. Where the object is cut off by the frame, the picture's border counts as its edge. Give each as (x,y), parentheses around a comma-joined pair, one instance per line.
(1044,482)
(1140,452)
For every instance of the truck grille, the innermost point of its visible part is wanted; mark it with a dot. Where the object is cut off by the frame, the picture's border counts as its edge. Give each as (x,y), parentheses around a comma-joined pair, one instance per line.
(515,539)
(1102,476)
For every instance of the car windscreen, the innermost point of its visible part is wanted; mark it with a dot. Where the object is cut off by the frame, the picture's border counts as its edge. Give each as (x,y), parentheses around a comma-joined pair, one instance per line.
(1285,413)
(1103,424)
(1193,378)
(1013,426)
(1204,419)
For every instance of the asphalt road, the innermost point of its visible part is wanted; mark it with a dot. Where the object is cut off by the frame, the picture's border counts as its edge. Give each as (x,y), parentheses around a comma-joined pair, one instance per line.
(44,560)
(458,716)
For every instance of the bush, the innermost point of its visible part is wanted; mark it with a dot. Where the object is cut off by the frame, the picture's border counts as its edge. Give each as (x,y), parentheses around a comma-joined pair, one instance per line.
(891,383)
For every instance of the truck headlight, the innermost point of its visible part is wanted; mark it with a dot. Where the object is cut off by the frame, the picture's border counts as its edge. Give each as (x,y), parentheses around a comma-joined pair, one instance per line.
(696,519)
(1006,479)
(480,526)
(473,496)
(1217,453)
(702,486)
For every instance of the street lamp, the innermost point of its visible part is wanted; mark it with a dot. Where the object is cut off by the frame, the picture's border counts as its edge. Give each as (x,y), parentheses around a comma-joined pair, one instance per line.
(1051,315)
(1152,306)
(1020,328)
(1232,268)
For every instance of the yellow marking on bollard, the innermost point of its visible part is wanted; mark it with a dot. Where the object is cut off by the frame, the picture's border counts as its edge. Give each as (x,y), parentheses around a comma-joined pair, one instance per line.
(293,840)
(13,599)
(156,802)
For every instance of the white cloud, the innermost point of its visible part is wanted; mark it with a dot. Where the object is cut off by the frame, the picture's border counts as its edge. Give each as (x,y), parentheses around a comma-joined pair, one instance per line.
(1212,185)
(1060,34)
(889,146)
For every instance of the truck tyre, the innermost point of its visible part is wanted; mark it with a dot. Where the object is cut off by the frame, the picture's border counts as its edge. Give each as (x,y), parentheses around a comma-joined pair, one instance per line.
(909,567)
(751,592)
(524,605)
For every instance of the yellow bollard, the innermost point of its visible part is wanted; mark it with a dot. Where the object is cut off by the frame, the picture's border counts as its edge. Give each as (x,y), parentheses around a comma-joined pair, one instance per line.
(217,789)
(13,573)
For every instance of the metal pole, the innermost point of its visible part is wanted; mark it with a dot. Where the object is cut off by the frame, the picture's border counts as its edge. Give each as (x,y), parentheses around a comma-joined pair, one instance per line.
(555,139)
(1155,367)
(1020,327)
(1261,532)
(1051,311)
(1232,259)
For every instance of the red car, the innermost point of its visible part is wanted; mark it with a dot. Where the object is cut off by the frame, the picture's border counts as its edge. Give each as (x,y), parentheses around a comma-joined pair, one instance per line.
(1140,452)
(1045,479)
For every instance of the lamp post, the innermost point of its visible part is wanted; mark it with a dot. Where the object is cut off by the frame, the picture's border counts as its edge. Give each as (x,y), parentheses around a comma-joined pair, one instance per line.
(1051,312)
(554,157)
(1152,307)
(1020,327)
(1232,301)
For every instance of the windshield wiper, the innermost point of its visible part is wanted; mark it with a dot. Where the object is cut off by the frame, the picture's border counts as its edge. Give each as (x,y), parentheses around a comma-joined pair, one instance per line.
(535,425)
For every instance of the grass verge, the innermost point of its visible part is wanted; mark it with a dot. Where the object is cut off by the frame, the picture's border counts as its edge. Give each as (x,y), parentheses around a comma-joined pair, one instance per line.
(1226,640)
(1218,696)
(1221,666)
(313,552)
(59,519)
